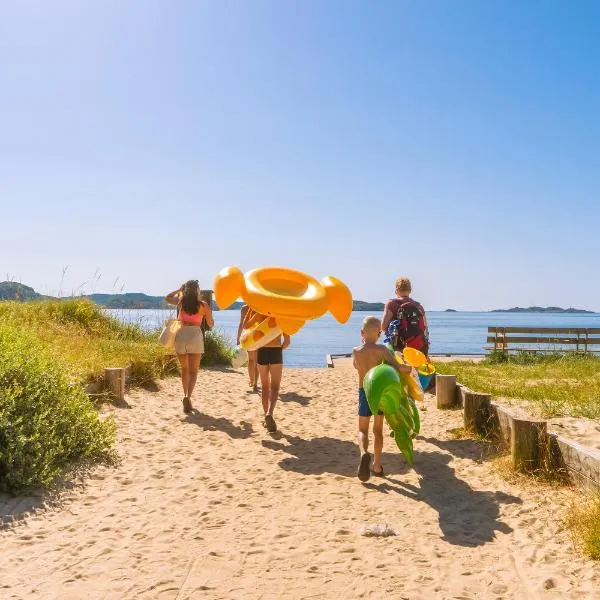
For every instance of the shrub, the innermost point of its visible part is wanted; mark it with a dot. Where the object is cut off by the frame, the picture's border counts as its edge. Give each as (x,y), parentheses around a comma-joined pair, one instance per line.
(217,349)
(46,419)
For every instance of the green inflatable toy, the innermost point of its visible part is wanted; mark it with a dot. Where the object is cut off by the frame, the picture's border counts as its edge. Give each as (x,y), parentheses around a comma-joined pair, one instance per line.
(385,391)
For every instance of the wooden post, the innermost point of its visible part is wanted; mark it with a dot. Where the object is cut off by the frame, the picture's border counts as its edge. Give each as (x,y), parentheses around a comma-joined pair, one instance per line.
(476,411)
(527,444)
(461,390)
(206,295)
(445,391)
(115,382)
(501,418)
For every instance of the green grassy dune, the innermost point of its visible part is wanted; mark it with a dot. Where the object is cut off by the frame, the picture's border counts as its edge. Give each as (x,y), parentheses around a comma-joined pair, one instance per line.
(558,385)
(49,351)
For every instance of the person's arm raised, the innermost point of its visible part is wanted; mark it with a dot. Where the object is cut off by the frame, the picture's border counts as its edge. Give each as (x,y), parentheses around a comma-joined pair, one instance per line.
(173,297)
(286,341)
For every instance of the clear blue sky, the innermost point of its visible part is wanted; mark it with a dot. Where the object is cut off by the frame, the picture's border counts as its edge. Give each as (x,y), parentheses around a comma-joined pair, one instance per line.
(455,142)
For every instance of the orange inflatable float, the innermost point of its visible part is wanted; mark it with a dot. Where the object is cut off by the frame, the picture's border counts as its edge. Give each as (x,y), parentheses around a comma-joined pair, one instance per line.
(287,299)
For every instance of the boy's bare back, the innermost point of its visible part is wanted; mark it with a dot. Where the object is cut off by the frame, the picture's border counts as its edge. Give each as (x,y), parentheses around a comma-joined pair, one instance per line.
(369,355)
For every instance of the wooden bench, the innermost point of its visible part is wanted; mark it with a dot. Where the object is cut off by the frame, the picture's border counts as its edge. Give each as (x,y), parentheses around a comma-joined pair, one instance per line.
(582,340)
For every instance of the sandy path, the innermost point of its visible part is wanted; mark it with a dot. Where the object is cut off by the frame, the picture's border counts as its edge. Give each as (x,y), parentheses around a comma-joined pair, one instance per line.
(210,506)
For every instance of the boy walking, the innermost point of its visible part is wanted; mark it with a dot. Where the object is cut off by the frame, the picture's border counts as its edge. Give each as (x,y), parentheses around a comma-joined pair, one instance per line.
(364,357)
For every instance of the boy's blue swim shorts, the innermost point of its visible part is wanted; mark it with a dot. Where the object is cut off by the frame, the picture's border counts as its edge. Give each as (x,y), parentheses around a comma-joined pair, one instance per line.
(363,405)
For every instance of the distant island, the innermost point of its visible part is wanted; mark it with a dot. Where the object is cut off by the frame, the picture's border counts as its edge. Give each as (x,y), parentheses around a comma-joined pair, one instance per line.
(10,290)
(357,305)
(541,309)
(360,305)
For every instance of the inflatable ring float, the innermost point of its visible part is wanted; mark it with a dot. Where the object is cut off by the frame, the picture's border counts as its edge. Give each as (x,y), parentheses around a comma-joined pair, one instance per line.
(291,297)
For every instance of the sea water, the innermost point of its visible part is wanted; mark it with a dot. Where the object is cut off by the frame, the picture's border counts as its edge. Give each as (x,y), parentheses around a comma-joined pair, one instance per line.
(449,332)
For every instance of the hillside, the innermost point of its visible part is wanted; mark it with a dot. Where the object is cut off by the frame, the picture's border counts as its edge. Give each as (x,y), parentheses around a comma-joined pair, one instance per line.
(130,300)
(11,290)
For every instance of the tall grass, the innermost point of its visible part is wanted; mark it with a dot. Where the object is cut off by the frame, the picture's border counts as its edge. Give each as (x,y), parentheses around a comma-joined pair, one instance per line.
(89,340)
(558,385)
(583,522)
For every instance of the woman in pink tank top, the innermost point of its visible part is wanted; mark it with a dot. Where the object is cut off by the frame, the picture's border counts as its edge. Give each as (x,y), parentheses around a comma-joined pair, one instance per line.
(189,341)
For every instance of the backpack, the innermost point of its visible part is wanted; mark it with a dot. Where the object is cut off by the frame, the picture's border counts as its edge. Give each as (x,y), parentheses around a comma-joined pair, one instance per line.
(409,327)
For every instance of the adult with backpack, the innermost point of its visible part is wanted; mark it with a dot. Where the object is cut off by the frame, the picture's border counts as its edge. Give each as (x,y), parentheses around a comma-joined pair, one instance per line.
(404,320)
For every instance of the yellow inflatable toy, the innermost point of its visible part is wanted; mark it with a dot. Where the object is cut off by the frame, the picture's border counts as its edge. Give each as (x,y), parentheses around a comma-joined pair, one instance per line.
(290,297)
(418,379)
(415,358)
(259,335)
(421,367)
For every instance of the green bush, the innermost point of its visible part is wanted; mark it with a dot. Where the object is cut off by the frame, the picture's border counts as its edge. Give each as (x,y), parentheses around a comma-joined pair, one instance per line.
(217,349)
(46,419)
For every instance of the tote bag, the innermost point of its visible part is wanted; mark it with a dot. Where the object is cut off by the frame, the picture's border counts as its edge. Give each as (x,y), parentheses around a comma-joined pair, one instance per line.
(169,331)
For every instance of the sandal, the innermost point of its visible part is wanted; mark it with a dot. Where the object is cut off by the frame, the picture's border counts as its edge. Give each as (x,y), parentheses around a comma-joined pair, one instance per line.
(378,473)
(364,470)
(187,405)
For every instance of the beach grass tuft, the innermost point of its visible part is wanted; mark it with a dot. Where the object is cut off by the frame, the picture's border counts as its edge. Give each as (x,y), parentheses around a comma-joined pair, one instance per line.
(583,521)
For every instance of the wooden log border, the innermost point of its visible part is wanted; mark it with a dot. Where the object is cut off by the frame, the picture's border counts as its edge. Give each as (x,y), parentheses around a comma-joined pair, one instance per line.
(531,445)
(446,391)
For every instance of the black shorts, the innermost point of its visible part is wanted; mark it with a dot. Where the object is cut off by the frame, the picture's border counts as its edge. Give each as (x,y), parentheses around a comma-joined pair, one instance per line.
(269,356)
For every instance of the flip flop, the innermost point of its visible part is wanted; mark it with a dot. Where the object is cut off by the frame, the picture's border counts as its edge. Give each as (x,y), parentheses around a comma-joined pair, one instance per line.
(378,473)
(270,424)
(364,468)
(187,405)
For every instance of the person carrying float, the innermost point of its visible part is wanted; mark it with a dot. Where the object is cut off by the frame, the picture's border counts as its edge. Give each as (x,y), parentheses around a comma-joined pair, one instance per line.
(279,301)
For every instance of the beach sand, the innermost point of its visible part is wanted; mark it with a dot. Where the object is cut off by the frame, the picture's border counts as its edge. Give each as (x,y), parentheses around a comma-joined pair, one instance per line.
(211,506)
